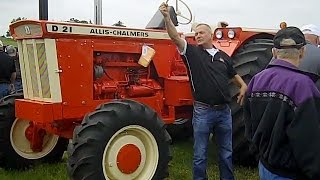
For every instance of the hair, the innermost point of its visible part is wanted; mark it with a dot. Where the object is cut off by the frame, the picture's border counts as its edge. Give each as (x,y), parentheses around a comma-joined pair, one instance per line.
(291,53)
(314,39)
(204,24)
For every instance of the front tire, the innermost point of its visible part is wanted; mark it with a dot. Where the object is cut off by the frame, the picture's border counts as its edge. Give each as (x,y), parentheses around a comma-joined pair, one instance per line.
(120,140)
(15,147)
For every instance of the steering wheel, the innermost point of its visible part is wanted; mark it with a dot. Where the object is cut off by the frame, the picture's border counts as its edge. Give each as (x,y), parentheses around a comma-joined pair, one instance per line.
(188,17)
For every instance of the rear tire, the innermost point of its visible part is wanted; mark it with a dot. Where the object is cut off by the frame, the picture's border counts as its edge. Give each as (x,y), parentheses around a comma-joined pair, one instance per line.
(101,143)
(250,59)
(15,148)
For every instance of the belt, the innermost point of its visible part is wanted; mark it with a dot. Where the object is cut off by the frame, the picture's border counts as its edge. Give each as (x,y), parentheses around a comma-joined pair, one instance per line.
(216,106)
(2,81)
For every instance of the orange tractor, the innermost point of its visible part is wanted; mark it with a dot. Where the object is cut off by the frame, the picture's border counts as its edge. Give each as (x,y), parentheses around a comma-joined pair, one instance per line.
(83,86)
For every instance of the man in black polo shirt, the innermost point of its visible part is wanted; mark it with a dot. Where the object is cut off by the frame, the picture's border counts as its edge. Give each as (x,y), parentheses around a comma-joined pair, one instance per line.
(210,71)
(7,73)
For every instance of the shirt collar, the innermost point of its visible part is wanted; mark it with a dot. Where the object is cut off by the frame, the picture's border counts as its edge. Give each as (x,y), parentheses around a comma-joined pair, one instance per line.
(200,46)
(287,65)
(282,63)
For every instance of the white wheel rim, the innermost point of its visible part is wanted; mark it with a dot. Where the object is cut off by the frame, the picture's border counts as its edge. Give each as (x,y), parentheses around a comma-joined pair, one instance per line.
(21,144)
(142,139)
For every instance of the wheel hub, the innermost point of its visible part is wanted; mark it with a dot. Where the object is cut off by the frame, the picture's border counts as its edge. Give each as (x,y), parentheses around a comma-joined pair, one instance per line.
(131,153)
(35,137)
(129,159)
(21,136)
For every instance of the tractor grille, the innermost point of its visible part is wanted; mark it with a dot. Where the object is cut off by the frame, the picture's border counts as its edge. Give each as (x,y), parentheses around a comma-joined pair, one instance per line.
(39,67)
(43,70)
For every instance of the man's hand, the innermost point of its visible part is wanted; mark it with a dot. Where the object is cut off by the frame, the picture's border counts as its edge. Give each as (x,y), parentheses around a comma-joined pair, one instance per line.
(243,88)
(241,95)
(164,9)
(171,29)
(12,89)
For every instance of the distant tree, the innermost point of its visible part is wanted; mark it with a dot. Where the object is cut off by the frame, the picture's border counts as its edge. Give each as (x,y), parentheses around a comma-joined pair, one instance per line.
(74,20)
(12,21)
(119,23)
(8,34)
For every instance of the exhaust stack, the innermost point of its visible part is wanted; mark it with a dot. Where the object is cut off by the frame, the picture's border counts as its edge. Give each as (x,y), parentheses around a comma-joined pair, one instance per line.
(43,9)
(98,12)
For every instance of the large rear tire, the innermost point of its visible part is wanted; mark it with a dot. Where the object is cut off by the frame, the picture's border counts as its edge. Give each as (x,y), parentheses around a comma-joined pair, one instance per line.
(250,59)
(120,140)
(15,147)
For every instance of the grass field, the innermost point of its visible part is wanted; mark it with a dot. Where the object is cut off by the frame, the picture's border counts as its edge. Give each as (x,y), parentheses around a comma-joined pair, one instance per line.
(180,167)
(8,41)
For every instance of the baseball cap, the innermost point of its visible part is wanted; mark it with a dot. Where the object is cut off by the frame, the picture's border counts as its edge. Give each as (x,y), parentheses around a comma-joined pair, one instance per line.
(11,51)
(310,29)
(293,33)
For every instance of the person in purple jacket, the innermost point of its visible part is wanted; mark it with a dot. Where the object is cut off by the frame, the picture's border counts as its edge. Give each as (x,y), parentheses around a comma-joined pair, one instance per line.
(282,113)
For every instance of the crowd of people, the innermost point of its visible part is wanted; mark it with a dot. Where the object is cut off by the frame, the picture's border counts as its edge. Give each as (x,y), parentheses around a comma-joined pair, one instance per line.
(281,103)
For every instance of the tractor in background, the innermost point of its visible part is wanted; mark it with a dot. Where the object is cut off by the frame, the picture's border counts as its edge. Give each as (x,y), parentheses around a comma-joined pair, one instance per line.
(85,83)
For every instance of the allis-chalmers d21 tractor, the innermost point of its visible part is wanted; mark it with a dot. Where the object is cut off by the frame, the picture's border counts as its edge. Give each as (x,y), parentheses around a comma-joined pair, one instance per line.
(83,82)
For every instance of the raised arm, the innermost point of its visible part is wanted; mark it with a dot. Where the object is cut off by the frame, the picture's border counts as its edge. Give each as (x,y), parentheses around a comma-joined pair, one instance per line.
(171,29)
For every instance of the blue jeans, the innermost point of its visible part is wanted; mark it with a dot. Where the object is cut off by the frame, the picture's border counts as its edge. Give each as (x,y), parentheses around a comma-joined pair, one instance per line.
(265,174)
(18,84)
(4,90)
(205,121)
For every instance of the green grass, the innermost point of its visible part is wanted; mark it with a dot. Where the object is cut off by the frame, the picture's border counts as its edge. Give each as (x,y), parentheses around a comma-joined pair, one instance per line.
(8,41)
(46,171)
(180,167)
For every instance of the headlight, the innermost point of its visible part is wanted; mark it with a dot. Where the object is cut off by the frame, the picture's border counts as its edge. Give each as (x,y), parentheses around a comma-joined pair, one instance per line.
(231,34)
(219,34)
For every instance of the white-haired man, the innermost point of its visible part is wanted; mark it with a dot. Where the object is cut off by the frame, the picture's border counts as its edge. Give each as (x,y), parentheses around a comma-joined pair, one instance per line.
(311,60)
(282,117)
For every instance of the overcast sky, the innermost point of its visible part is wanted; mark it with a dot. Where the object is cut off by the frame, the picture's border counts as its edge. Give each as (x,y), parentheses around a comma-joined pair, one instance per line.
(137,13)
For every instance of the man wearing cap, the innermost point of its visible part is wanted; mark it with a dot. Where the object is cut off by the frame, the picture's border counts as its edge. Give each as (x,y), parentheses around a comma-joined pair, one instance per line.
(282,116)
(12,52)
(7,73)
(311,33)
(311,60)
